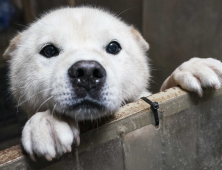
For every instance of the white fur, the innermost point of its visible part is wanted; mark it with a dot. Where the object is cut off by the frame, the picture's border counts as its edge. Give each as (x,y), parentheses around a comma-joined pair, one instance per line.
(41,85)
(81,34)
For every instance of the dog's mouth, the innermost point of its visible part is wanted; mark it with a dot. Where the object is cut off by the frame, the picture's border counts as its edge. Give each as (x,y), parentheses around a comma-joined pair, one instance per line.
(86,104)
(84,109)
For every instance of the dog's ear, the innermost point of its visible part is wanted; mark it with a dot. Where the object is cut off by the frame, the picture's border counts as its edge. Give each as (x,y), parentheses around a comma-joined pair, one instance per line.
(10,51)
(142,42)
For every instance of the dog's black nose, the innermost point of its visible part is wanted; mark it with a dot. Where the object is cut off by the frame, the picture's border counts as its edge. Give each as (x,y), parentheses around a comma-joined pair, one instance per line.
(87,74)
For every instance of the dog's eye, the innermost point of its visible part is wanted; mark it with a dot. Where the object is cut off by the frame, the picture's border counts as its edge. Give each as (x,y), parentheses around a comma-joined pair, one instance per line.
(113,48)
(49,51)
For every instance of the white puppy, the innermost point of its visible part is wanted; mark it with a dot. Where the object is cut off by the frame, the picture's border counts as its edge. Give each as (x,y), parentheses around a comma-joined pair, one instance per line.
(84,63)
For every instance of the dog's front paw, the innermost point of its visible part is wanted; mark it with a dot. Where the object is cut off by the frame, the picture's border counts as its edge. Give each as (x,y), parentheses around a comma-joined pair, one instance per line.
(196,74)
(45,135)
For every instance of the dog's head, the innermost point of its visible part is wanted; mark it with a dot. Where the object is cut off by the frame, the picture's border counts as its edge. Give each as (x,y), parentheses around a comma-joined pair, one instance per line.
(82,62)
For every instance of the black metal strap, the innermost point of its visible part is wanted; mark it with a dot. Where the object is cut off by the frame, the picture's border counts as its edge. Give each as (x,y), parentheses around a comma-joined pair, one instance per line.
(154,107)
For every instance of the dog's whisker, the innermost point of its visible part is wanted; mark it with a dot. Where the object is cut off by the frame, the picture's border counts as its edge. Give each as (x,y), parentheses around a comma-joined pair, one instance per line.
(44,103)
(121,14)
(24,26)
(54,108)
(126,11)
(152,81)
(18,105)
(32,96)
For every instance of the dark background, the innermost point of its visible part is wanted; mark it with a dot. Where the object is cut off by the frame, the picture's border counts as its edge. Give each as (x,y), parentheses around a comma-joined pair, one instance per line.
(176,31)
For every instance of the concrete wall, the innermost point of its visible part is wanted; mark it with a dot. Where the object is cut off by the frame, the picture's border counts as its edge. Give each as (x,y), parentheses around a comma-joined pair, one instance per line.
(188,138)
(180,30)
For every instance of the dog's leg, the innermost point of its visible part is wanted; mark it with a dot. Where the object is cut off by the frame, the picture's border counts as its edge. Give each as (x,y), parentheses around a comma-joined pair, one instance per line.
(45,135)
(195,74)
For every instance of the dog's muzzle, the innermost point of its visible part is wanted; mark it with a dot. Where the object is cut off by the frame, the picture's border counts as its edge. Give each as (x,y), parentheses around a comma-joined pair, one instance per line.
(87,77)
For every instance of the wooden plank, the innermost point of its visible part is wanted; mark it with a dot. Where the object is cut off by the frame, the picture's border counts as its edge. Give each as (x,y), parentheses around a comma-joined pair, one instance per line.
(10,155)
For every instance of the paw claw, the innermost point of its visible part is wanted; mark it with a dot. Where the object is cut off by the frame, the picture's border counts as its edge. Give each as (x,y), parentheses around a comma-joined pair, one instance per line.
(69,149)
(48,158)
(33,158)
(200,93)
(77,140)
(216,87)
